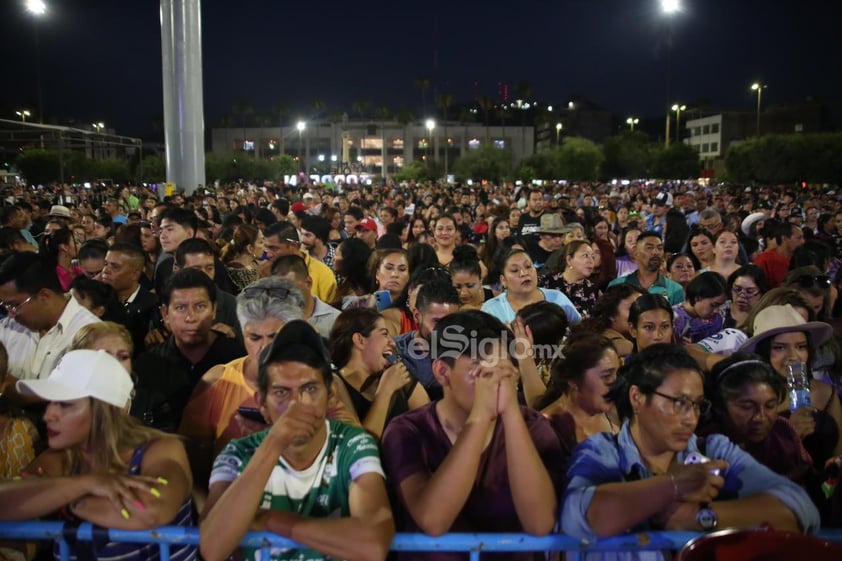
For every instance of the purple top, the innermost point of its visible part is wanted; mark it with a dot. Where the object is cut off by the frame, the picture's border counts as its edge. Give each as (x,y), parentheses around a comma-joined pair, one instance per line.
(416,443)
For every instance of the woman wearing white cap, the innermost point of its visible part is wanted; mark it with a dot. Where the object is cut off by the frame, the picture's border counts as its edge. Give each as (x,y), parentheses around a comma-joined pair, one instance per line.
(782,335)
(102,465)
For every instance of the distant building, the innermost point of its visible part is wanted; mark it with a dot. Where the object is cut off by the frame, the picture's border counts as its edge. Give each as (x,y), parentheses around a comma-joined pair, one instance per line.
(713,134)
(364,145)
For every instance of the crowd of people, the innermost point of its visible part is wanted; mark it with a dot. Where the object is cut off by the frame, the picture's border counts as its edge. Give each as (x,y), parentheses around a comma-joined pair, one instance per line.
(337,363)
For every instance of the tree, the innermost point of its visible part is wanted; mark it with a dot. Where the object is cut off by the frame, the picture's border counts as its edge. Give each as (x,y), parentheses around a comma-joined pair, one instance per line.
(486,104)
(360,107)
(579,159)
(423,84)
(486,162)
(444,101)
(628,154)
(679,161)
(154,169)
(39,166)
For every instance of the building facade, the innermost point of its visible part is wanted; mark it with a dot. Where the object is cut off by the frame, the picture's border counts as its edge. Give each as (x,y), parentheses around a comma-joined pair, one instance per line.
(352,146)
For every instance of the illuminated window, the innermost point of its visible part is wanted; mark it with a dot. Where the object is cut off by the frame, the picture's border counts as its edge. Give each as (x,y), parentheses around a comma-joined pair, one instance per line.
(473,144)
(422,143)
(372,143)
(372,161)
(248,145)
(397,143)
(398,161)
(500,144)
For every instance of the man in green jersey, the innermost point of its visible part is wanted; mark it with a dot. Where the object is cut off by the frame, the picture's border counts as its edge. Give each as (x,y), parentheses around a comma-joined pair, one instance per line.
(314,480)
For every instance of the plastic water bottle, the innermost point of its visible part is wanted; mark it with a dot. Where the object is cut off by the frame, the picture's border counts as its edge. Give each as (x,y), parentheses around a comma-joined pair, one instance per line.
(798,385)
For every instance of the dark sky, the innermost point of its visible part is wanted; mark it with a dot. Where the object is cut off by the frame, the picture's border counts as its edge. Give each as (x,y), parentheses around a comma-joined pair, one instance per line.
(100,59)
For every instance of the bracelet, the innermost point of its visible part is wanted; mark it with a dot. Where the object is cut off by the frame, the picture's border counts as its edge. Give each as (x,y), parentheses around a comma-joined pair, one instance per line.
(674,487)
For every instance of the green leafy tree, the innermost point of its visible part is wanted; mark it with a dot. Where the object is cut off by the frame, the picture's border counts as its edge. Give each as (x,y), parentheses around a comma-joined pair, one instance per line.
(579,159)
(154,169)
(39,166)
(415,171)
(628,154)
(486,162)
(679,161)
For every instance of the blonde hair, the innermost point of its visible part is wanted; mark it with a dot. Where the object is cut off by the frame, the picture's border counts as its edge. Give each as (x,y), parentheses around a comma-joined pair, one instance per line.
(88,336)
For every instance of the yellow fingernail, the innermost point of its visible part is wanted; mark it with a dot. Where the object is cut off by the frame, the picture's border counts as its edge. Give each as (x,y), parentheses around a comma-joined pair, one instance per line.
(125,514)
(155,493)
(163,481)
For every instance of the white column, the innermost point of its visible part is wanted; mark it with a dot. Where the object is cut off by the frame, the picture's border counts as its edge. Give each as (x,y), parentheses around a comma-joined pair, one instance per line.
(184,127)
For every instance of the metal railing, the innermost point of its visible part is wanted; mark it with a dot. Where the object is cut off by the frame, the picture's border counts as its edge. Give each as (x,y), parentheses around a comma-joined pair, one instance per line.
(474,544)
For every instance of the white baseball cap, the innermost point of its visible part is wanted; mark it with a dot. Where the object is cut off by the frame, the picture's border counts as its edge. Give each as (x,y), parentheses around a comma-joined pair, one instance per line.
(81,374)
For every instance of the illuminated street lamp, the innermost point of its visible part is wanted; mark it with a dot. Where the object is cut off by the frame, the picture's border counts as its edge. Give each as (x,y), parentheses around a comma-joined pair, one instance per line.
(23,114)
(558,127)
(678,109)
(37,8)
(300,125)
(632,121)
(758,87)
(669,9)
(98,127)
(430,124)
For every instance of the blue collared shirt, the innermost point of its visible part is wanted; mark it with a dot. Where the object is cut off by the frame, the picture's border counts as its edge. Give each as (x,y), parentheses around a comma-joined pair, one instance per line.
(603,458)
(500,308)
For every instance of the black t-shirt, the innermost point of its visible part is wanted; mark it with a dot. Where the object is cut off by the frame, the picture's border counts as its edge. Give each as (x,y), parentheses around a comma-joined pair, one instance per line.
(528,226)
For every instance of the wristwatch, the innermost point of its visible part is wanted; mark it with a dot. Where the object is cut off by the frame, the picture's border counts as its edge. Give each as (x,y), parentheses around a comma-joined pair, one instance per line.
(706,518)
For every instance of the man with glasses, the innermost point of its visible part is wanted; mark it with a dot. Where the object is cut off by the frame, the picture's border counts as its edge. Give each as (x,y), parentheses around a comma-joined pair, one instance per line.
(41,319)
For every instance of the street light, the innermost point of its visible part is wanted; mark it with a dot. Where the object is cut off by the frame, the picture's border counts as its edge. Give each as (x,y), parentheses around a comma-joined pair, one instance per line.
(632,121)
(558,127)
(300,125)
(23,114)
(678,109)
(670,6)
(37,8)
(430,124)
(758,87)
(670,9)
(98,128)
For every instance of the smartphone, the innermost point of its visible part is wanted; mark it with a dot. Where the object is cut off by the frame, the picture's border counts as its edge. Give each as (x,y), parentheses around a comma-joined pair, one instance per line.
(251,413)
(383,299)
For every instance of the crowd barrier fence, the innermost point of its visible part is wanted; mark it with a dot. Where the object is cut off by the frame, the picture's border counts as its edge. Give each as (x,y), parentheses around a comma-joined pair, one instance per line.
(474,544)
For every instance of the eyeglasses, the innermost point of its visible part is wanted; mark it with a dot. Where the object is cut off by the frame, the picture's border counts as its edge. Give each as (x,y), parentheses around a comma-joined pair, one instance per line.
(13,310)
(814,281)
(682,405)
(749,292)
(275,291)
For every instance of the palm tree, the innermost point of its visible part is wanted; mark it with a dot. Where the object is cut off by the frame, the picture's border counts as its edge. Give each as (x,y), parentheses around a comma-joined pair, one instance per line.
(383,114)
(423,84)
(318,106)
(243,110)
(486,104)
(523,90)
(281,112)
(444,101)
(360,107)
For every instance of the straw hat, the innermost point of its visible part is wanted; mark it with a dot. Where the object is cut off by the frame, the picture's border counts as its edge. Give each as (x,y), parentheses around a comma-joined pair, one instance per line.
(775,320)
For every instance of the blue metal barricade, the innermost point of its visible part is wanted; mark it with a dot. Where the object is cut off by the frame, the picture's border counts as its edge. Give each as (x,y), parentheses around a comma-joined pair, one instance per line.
(473,544)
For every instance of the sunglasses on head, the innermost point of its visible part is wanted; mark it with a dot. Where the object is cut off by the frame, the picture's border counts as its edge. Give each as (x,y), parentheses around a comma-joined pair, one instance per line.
(814,281)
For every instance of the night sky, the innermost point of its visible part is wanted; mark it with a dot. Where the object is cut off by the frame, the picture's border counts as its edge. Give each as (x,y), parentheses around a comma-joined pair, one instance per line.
(100,59)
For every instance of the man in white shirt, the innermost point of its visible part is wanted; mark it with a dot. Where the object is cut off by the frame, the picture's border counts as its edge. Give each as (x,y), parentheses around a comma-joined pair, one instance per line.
(320,315)
(41,320)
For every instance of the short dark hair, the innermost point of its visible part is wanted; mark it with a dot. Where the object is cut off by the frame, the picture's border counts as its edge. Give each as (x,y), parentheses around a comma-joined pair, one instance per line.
(709,284)
(181,216)
(100,294)
(192,246)
(188,278)
(436,292)
(785,230)
(93,249)
(647,370)
(293,263)
(282,231)
(649,234)
(318,225)
(281,205)
(30,272)
(131,251)
(457,334)
(297,341)
(356,212)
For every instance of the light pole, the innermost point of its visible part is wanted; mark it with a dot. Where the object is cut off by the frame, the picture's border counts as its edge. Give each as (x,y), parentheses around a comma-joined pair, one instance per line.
(430,124)
(37,8)
(558,127)
(23,114)
(632,121)
(669,9)
(758,87)
(300,125)
(98,128)
(678,109)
